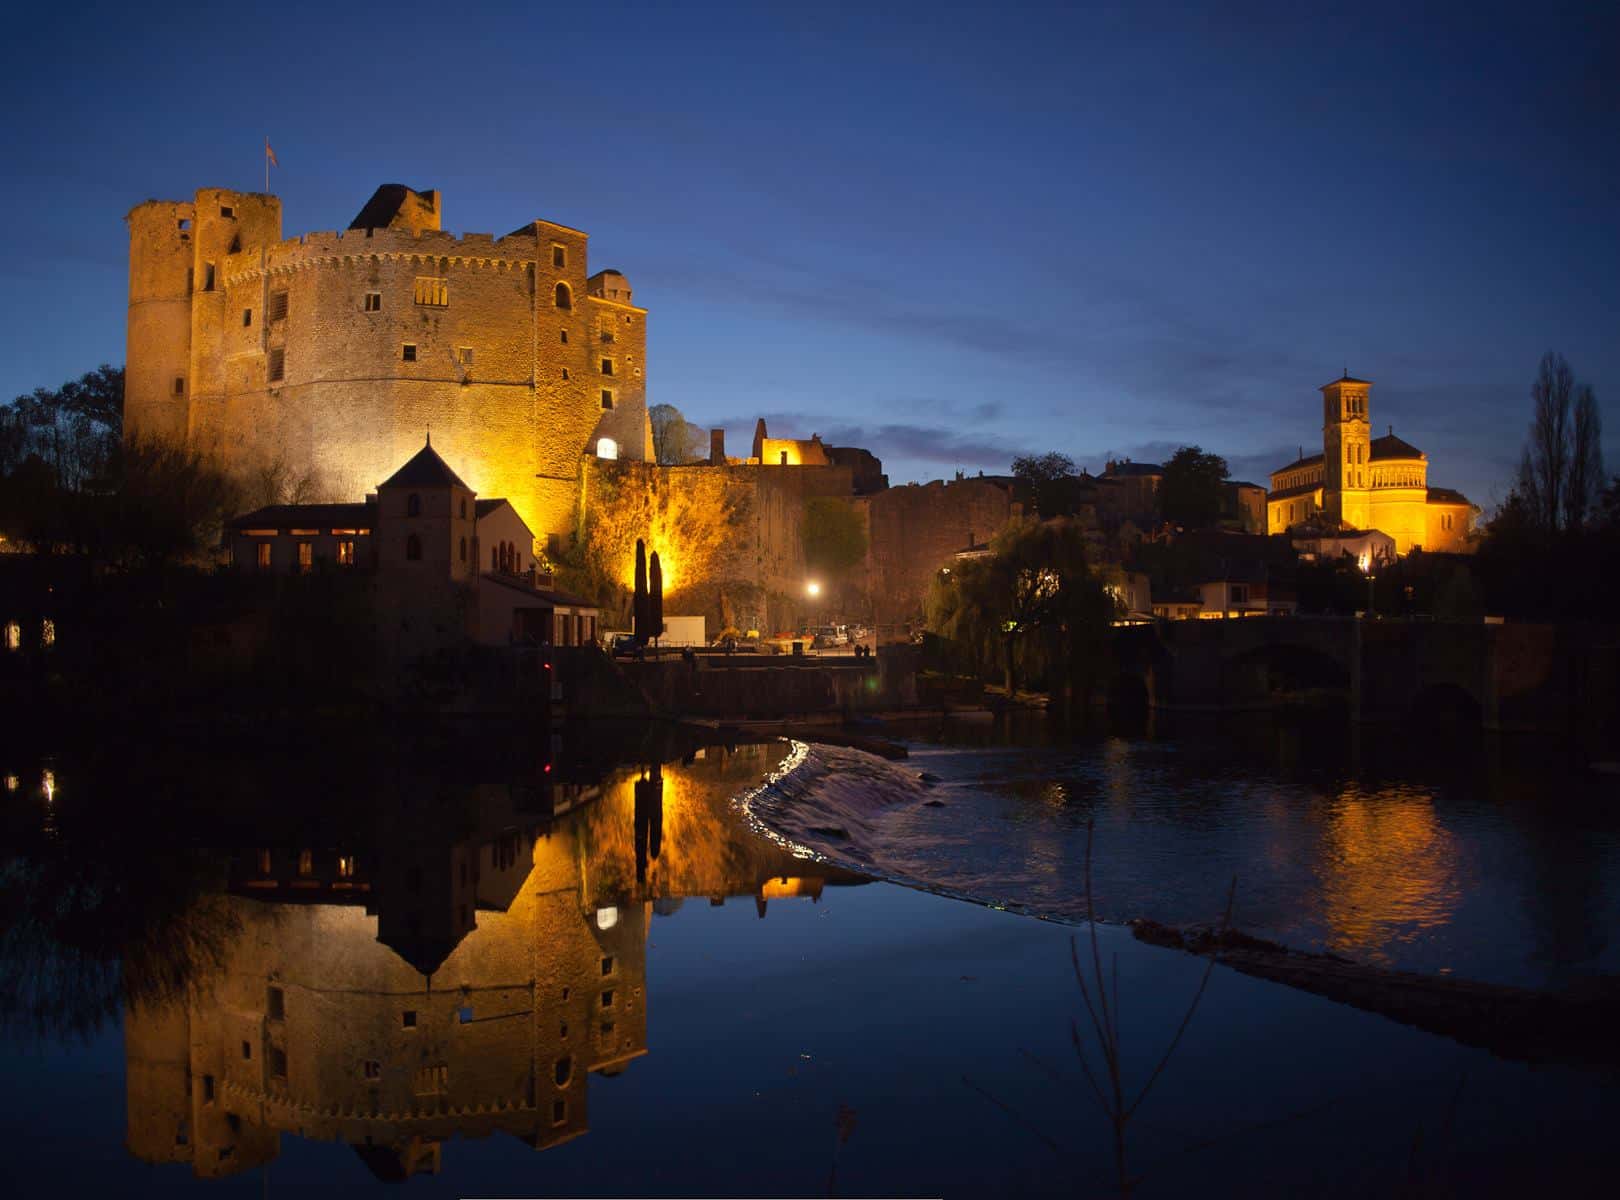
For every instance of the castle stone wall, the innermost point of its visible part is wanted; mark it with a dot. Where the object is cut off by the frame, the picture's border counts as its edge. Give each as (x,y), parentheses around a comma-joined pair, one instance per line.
(917,529)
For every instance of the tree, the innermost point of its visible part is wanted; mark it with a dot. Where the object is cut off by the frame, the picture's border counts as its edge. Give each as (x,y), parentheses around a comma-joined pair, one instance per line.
(1052,482)
(1561,469)
(73,429)
(1192,489)
(1032,606)
(832,534)
(675,439)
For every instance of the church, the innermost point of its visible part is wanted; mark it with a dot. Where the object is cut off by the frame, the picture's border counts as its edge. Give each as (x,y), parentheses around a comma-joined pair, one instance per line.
(1360,482)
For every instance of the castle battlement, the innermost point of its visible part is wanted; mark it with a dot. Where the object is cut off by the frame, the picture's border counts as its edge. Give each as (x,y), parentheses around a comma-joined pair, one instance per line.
(434,248)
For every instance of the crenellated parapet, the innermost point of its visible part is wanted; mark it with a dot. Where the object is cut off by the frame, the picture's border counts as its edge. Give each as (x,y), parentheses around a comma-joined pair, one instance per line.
(437,250)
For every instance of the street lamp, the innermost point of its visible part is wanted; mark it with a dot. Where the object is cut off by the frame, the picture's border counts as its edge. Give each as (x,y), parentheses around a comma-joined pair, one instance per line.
(812,589)
(1365,563)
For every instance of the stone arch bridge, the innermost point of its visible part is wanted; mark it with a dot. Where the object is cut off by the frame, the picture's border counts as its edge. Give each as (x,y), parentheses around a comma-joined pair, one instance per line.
(1509,677)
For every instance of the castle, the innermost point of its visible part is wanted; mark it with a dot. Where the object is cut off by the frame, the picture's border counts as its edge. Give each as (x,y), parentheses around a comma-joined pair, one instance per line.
(330,355)
(1361,482)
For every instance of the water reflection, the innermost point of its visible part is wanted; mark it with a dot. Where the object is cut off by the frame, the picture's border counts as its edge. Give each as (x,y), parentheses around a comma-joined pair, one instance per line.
(459,964)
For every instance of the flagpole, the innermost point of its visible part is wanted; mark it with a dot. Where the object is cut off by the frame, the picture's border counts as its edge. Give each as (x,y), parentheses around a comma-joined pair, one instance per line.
(267,164)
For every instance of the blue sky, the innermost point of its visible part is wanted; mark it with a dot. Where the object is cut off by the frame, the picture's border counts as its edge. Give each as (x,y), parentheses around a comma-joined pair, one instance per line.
(948,233)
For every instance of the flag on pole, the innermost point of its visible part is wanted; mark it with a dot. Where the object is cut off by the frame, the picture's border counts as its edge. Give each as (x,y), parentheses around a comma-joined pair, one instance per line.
(269,154)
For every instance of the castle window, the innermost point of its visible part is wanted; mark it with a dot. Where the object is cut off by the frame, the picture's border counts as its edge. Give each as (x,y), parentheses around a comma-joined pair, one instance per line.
(559,257)
(564,297)
(278,364)
(278,306)
(275,1003)
(264,556)
(278,1063)
(345,554)
(407,1019)
(563,1071)
(247,1051)
(247,317)
(607,965)
(607,334)
(559,1112)
(565,374)
(432,292)
(463,549)
(184,223)
(607,397)
(413,548)
(407,352)
(179,385)
(413,505)
(226,211)
(464,508)
(564,333)
(607,449)
(374,302)
(465,355)
(371,1069)
(306,556)
(236,245)
(784,458)
(607,366)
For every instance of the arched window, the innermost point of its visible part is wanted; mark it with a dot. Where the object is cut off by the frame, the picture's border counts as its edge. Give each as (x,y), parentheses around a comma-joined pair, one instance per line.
(413,546)
(607,448)
(565,297)
(413,505)
(564,1071)
(463,549)
(464,508)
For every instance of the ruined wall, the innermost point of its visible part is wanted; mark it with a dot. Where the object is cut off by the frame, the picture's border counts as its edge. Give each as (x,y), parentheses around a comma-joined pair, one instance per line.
(915,530)
(298,352)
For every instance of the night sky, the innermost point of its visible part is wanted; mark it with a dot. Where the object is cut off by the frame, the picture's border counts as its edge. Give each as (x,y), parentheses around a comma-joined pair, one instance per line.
(950,234)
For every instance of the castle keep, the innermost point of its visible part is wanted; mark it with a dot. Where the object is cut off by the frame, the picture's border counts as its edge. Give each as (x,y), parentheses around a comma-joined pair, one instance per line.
(330,355)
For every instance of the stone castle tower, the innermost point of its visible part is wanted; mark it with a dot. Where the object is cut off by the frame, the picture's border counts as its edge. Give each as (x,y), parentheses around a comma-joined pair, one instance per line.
(1346,439)
(332,354)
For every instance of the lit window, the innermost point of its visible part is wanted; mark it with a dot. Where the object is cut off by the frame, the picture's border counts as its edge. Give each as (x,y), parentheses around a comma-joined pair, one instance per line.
(13,636)
(306,863)
(607,448)
(345,554)
(432,292)
(263,558)
(345,866)
(306,556)
(278,365)
(408,352)
(374,302)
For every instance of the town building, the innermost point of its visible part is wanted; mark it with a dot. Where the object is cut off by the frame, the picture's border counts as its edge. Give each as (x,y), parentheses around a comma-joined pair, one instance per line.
(445,564)
(327,354)
(1360,482)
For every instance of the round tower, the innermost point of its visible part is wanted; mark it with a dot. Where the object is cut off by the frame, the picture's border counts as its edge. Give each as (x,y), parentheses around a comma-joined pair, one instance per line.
(157,383)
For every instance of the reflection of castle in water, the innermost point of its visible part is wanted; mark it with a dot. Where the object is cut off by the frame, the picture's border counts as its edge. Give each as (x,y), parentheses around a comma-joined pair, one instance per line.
(393,998)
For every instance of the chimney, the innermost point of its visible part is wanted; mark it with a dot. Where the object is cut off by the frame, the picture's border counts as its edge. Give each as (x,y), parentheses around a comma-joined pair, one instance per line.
(717,447)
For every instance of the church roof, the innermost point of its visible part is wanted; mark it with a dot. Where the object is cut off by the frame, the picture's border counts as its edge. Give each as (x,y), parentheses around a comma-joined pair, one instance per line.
(306,516)
(425,470)
(1348,378)
(485,507)
(1446,496)
(1391,446)
(1304,489)
(1299,462)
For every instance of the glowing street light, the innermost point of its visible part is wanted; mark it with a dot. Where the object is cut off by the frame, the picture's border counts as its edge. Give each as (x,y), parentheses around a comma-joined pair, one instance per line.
(1365,563)
(812,589)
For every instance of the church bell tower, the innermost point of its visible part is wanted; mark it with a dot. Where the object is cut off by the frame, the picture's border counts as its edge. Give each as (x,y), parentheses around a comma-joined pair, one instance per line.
(1346,452)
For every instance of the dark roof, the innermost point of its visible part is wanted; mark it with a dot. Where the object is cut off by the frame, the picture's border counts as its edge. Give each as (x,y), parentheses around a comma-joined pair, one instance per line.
(1349,378)
(1134,468)
(485,507)
(384,205)
(1242,483)
(545,596)
(1446,496)
(425,470)
(1391,446)
(1299,462)
(306,516)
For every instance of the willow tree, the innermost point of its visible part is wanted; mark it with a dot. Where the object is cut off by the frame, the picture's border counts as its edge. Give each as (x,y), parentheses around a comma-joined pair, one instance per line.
(1031,606)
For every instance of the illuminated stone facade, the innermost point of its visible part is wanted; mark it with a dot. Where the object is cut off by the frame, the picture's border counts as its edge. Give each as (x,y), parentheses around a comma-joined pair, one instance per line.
(334,353)
(1362,482)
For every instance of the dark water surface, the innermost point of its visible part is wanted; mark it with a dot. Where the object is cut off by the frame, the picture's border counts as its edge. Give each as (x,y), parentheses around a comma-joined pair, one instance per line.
(281,976)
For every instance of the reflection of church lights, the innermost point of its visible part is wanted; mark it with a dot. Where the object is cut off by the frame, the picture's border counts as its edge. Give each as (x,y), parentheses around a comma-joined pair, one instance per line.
(12,783)
(47,633)
(13,636)
(50,785)
(607,918)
